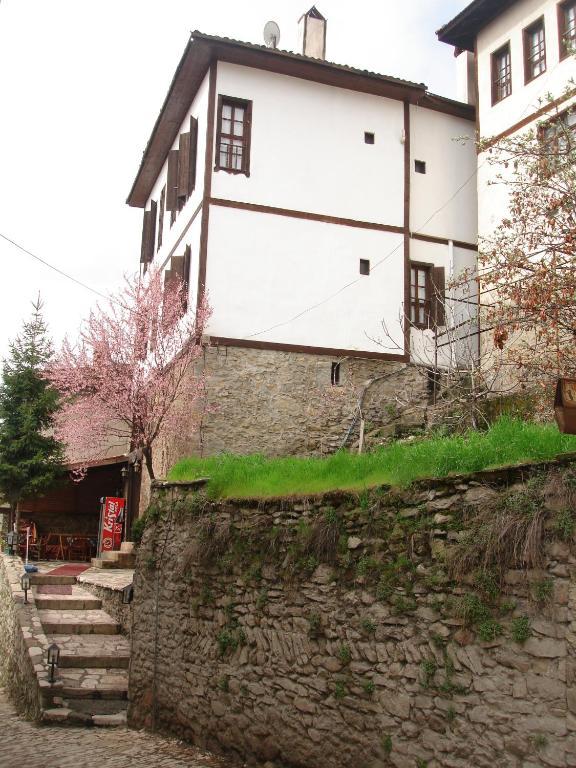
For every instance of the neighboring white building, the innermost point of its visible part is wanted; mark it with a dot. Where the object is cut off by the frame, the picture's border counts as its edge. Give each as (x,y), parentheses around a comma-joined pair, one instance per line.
(307,198)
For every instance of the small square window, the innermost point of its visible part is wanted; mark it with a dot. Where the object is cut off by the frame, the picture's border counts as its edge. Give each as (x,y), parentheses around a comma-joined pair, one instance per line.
(419,166)
(335,374)
(368,138)
(364,267)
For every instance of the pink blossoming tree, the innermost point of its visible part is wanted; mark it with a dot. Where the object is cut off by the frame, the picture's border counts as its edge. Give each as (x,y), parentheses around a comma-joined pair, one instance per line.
(132,373)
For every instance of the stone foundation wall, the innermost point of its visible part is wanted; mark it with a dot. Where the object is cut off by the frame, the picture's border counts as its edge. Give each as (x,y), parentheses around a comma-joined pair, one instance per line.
(332,632)
(111,597)
(283,403)
(23,643)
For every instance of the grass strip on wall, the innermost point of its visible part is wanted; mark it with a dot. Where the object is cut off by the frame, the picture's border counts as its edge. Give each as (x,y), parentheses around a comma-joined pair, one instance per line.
(508,441)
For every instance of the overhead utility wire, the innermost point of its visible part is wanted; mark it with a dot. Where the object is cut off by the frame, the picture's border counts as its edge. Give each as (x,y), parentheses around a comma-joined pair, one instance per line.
(55,269)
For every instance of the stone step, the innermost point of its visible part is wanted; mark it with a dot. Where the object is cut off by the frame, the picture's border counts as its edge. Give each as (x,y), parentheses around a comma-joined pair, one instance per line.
(67,716)
(64,622)
(124,560)
(46,578)
(61,603)
(101,684)
(92,651)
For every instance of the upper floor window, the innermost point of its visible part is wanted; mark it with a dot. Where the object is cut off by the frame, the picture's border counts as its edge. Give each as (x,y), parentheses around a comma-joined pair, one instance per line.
(567,28)
(534,50)
(233,138)
(501,74)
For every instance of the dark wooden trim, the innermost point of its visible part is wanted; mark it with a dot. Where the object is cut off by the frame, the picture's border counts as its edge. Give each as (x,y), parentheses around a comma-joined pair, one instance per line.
(305,215)
(407,176)
(191,71)
(477,91)
(220,341)
(203,254)
(123,459)
(527,120)
(528,76)
(426,267)
(444,241)
(183,233)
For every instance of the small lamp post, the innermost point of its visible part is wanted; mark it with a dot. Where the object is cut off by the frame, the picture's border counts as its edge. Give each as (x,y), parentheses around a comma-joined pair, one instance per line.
(127,594)
(53,659)
(25,584)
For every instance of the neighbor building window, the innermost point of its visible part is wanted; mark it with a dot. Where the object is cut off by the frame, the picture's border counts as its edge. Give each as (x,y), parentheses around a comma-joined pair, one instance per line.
(567,28)
(368,137)
(233,139)
(419,166)
(161,217)
(534,50)
(501,74)
(558,138)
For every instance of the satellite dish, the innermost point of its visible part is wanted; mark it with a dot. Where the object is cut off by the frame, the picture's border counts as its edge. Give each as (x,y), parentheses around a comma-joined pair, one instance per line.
(271,34)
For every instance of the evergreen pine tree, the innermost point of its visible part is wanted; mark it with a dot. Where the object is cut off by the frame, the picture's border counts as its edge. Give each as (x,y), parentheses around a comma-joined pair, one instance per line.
(31,459)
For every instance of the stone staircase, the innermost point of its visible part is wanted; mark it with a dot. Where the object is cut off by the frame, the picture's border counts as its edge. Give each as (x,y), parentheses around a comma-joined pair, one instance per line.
(125,558)
(92,676)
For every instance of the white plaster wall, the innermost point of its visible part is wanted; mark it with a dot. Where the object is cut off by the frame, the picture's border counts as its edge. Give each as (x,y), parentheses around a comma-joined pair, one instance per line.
(264,269)
(524,99)
(443,201)
(308,151)
(199,110)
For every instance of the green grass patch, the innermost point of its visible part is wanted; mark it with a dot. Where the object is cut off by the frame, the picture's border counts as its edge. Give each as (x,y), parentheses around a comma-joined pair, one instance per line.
(508,441)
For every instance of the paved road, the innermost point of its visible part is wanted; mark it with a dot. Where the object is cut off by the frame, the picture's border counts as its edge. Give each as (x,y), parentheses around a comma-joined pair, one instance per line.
(36,746)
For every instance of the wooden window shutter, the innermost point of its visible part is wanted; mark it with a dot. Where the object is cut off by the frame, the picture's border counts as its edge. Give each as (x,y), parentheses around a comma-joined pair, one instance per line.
(172,182)
(438,296)
(177,267)
(187,260)
(149,234)
(145,228)
(193,154)
(184,165)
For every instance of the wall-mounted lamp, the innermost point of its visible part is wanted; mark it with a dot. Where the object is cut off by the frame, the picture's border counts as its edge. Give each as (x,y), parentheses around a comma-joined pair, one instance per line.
(127,594)
(124,472)
(53,659)
(25,584)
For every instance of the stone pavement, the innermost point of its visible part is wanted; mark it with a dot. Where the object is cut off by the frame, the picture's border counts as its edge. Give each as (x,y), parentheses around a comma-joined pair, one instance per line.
(41,746)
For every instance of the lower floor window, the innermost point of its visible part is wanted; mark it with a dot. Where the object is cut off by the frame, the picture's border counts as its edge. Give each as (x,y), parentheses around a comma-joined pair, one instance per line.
(420,296)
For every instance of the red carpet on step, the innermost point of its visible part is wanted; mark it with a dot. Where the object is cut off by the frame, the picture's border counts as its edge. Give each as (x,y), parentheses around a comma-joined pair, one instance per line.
(72,569)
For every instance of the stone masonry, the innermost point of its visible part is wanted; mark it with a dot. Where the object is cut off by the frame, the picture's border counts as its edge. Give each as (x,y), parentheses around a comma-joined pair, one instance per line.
(332,631)
(280,403)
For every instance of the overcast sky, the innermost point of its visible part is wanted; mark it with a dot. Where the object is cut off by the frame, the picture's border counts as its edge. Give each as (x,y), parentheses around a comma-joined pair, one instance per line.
(81,84)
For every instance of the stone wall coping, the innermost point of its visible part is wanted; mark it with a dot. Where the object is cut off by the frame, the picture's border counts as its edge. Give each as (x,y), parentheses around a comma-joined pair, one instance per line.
(198,483)
(484,477)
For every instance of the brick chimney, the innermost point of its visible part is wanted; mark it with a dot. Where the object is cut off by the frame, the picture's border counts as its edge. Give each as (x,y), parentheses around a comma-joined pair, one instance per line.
(312,34)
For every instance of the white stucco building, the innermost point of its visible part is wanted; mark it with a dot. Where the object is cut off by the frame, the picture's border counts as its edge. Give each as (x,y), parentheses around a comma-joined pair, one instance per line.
(312,201)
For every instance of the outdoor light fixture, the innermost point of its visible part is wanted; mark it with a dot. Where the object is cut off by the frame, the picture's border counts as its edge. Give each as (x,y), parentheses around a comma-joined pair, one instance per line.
(137,466)
(124,472)
(25,584)
(53,658)
(127,594)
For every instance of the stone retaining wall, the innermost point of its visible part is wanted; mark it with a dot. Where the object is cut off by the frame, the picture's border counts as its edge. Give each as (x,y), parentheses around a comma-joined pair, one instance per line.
(108,588)
(331,632)
(23,644)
